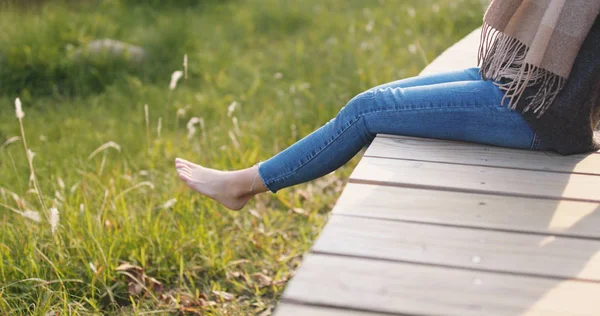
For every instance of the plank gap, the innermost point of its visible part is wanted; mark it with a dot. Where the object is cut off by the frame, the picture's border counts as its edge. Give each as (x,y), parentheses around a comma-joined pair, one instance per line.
(544,216)
(391,136)
(503,230)
(401,288)
(482,165)
(461,190)
(445,266)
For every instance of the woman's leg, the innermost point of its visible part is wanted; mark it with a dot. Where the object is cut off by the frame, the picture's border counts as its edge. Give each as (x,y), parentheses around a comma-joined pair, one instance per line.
(466,110)
(468,74)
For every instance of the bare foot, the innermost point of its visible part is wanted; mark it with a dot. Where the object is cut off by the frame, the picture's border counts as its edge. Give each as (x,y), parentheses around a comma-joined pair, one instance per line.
(221,186)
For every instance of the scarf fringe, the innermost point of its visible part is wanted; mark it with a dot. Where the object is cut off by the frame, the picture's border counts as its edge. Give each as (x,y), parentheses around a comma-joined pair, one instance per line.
(502,59)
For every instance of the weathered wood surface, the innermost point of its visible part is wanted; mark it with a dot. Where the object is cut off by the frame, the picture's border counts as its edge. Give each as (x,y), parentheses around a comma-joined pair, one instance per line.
(291,309)
(480,179)
(506,213)
(434,150)
(432,227)
(468,248)
(401,288)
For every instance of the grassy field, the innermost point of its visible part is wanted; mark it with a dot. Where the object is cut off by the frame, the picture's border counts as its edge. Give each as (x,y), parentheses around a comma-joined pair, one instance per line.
(130,238)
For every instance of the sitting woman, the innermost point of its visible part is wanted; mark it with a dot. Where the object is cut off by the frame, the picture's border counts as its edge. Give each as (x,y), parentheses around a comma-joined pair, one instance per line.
(537,88)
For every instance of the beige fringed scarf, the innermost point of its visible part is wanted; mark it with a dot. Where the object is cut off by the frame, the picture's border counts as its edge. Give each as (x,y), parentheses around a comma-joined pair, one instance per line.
(528,43)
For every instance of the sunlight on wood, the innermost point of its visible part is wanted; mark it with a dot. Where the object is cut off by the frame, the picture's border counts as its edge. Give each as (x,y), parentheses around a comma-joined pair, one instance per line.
(588,267)
(546,241)
(565,216)
(567,298)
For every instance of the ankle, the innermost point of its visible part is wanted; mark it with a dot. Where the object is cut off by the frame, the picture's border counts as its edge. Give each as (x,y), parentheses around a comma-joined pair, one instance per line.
(236,186)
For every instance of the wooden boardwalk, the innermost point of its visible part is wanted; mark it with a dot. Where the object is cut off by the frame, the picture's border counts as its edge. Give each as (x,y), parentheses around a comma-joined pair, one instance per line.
(432,227)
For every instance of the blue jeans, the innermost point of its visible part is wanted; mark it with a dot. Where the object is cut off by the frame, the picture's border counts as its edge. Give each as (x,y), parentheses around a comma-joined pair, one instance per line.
(455,106)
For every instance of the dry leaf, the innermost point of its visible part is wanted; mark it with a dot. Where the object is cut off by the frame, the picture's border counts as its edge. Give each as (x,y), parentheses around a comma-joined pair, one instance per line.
(300,211)
(262,279)
(280,282)
(191,310)
(134,276)
(137,280)
(129,267)
(155,285)
(224,295)
(255,213)
(236,262)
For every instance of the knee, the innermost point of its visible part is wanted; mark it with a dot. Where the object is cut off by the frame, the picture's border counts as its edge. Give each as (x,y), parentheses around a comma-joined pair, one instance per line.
(358,105)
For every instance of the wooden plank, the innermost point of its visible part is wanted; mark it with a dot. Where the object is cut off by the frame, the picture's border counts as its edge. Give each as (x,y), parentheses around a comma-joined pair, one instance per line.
(461,55)
(542,216)
(393,287)
(291,309)
(547,256)
(435,150)
(477,179)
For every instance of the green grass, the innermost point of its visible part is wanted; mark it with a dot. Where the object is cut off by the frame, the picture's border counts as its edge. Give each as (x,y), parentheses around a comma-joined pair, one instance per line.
(111,206)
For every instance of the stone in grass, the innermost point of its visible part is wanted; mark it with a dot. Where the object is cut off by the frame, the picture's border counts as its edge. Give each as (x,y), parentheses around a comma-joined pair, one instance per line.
(112,48)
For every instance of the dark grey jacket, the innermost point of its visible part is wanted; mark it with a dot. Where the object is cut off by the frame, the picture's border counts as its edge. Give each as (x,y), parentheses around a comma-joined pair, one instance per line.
(569,126)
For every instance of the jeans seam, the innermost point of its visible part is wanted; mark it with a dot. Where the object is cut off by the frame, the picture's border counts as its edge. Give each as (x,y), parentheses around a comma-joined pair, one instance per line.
(267,184)
(416,110)
(282,177)
(535,142)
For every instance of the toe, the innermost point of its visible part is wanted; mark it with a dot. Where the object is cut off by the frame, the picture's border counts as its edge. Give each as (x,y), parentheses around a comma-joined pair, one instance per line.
(186,163)
(186,169)
(185,174)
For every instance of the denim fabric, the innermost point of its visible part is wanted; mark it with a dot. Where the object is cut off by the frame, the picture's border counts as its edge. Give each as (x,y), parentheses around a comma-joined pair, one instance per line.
(454,106)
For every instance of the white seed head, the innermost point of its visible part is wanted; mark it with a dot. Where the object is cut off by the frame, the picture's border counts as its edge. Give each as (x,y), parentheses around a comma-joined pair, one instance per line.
(234,140)
(30,154)
(411,12)
(174,78)
(59,197)
(232,107)
(32,215)
(54,219)
(369,26)
(185,65)
(93,267)
(412,48)
(170,203)
(191,126)
(159,127)
(181,112)
(236,126)
(18,109)
(61,183)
